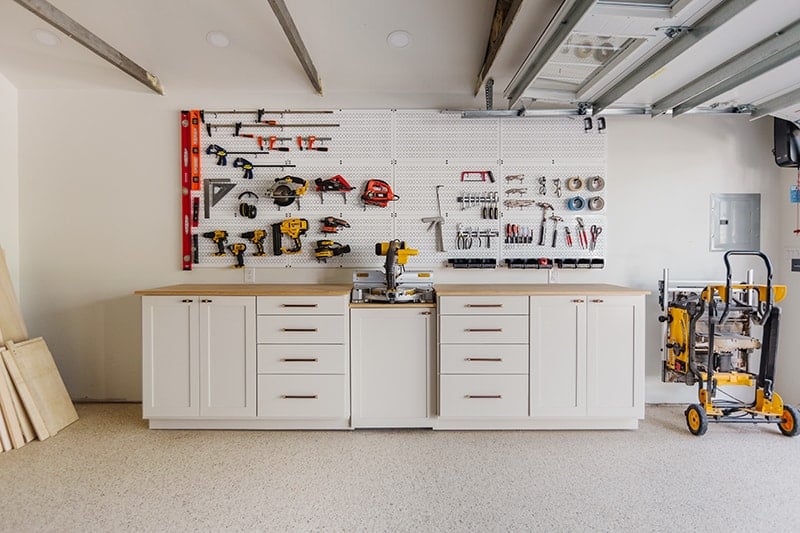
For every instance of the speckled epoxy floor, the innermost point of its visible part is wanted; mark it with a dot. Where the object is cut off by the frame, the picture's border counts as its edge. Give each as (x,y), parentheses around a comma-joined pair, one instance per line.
(108,472)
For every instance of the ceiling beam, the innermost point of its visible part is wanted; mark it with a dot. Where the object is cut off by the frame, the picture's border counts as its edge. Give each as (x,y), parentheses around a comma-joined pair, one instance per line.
(60,20)
(681,42)
(286,22)
(776,104)
(770,53)
(557,31)
(504,13)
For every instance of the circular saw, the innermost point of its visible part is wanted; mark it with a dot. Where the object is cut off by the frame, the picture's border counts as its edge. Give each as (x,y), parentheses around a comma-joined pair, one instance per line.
(287,190)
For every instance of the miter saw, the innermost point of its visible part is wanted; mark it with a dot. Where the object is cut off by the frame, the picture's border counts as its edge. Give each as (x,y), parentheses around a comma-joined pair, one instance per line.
(395,284)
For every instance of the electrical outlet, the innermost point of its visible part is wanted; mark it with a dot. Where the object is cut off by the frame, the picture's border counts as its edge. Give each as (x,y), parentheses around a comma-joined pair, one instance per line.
(552,275)
(249,275)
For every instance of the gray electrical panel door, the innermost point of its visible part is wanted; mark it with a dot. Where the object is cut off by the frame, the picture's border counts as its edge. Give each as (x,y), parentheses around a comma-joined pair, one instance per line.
(735,221)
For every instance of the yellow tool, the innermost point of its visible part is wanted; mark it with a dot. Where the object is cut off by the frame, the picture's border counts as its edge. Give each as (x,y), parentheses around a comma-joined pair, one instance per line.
(715,352)
(398,248)
(257,237)
(237,249)
(220,238)
(294,228)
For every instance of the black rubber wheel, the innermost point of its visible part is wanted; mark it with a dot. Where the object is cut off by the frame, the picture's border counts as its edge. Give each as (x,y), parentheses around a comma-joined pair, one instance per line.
(788,424)
(696,419)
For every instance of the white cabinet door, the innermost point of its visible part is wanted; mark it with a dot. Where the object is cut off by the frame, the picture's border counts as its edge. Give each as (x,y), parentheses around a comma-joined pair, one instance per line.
(558,355)
(615,356)
(227,356)
(391,366)
(170,363)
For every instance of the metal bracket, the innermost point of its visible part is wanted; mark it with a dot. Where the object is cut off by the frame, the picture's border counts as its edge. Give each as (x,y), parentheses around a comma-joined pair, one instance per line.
(673,31)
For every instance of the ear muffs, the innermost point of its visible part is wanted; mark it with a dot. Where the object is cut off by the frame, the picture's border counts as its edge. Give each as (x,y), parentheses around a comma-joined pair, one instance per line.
(247,210)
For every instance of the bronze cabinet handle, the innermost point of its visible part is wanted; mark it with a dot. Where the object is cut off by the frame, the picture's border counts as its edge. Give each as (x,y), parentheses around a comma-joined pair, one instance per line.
(578,301)
(597,301)
(299,359)
(187,301)
(494,359)
(206,301)
(300,330)
(299,396)
(299,305)
(484,396)
(484,330)
(483,305)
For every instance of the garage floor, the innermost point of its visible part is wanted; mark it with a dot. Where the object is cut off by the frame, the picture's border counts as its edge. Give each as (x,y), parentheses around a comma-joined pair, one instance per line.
(109,472)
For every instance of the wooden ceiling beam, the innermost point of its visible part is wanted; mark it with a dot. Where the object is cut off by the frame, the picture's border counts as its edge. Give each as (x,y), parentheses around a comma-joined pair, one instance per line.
(64,23)
(289,28)
(504,13)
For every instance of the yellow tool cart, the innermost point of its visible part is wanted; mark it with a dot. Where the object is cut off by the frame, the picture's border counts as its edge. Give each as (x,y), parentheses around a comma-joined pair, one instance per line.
(709,342)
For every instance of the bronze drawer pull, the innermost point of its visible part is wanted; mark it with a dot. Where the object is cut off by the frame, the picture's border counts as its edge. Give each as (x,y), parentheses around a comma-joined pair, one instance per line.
(299,305)
(578,301)
(597,301)
(299,330)
(206,301)
(299,360)
(299,396)
(483,305)
(484,330)
(494,359)
(484,396)
(187,301)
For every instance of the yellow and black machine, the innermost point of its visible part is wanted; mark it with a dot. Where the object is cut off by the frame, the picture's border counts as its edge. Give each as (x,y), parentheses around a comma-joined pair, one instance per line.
(709,342)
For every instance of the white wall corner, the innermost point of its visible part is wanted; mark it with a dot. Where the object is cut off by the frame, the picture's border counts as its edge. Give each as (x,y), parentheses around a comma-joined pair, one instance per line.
(9,178)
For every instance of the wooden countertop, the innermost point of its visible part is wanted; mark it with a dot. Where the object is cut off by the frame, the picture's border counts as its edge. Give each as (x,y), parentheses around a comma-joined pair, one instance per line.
(535,289)
(249,289)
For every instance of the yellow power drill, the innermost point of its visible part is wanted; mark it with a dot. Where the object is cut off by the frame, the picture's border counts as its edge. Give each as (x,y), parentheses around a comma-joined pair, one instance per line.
(220,238)
(293,227)
(257,237)
(237,249)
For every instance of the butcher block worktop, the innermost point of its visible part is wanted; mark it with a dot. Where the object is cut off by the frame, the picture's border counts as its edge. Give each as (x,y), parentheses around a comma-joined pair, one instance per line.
(536,289)
(249,289)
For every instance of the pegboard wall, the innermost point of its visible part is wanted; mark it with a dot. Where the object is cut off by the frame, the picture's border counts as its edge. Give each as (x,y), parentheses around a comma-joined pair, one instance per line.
(492,175)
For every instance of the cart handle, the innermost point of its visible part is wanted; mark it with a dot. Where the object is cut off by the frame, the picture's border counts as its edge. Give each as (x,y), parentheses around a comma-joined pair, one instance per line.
(729,275)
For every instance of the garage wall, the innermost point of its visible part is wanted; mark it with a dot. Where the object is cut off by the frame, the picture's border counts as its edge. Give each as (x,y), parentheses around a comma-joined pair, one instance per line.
(788,363)
(100,203)
(9,179)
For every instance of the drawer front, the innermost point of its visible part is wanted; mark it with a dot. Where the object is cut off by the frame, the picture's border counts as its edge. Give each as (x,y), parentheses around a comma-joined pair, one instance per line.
(483,305)
(483,329)
(483,396)
(302,396)
(301,305)
(483,359)
(302,359)
(301,330)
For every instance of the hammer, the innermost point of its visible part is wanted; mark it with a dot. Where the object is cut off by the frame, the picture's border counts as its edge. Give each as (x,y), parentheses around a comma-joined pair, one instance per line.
(545,206)
(556,219)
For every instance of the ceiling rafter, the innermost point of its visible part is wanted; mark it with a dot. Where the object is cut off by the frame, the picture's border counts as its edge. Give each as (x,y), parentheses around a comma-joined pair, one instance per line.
(289,28)
(776,104)
(64,23)
(681,42)
(557,31)
(504,13)
(764,56)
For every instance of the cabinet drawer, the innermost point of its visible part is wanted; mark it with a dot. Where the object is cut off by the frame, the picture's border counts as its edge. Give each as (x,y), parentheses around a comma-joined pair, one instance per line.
(483,305)
(302,359)
(483,395)
(308,396)
(301,305)
(484,329)
(483,359)
(301,330)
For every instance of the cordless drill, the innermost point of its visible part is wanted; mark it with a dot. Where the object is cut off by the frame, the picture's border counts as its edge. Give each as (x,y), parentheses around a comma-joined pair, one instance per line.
(220,238)
(237,249)
(257,237)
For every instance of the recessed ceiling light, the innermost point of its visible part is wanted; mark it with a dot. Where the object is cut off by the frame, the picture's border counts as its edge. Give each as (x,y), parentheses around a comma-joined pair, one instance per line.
(399,39)
(218,39)
(45,37)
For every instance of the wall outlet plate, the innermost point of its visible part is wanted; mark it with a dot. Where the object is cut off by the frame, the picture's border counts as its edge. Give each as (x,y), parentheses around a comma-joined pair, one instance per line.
(249,275)
(552,275)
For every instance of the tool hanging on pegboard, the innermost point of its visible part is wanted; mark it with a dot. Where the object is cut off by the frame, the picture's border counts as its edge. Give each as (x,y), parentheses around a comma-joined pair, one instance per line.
(378,193)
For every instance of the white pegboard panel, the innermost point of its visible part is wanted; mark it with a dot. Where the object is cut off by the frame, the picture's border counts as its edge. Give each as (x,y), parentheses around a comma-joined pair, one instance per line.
(414,151)
(444,136)
(554,139)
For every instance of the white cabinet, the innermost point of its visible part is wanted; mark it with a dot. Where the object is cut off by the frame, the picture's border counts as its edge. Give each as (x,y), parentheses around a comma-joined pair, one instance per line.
(198,356)
(303,370)
(393,367)
(587,356)
(483,357)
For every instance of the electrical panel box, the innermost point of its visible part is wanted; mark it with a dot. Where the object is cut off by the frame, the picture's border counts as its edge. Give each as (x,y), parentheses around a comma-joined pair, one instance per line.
(735,222)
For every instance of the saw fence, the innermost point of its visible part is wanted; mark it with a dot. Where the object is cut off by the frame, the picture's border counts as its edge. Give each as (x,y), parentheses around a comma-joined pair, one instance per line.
(506,186)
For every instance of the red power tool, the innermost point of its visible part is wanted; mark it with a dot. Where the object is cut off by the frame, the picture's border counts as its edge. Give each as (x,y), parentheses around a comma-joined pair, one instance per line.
(378,193)
(335,184)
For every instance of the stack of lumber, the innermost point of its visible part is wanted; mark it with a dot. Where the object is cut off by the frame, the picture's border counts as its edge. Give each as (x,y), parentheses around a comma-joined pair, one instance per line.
(34,402)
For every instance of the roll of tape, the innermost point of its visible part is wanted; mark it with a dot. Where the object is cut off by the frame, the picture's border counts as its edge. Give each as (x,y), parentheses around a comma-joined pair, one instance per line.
(596,203)
(595,183)
(574,183)
(576,203)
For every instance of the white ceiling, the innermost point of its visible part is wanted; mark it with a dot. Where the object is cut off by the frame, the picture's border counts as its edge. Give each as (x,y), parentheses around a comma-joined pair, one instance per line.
(347,41)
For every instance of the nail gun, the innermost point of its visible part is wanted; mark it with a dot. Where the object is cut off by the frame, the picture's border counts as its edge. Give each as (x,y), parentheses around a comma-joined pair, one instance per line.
(379,193)
(294,228)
